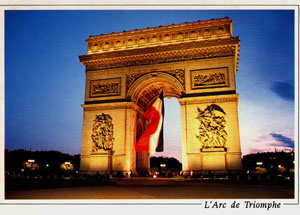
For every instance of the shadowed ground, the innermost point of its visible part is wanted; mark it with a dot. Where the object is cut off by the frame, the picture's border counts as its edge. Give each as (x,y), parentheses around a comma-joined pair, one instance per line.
(161,188)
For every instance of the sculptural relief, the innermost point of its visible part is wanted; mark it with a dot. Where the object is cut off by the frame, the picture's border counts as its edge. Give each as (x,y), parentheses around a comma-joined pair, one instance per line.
(212,132)
(211,79)
(131,78)
(179,75)
(158,58)
(105,87)
(102,135)
(217,77)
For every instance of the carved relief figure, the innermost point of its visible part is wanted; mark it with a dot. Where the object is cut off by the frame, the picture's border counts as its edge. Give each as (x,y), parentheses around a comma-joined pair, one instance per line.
(105,87)
(214,77)
(212,132)
(179,75)
(131,78)
(102,135)
(109,88)
(209,79)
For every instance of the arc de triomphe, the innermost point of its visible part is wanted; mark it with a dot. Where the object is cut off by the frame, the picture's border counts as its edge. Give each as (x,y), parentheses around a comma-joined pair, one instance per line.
(125,72)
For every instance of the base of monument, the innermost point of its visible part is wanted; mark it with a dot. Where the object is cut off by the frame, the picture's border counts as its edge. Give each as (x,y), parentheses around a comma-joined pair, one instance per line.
(214,160)
(198,173)
(213,174)
(213,149)
(107,173)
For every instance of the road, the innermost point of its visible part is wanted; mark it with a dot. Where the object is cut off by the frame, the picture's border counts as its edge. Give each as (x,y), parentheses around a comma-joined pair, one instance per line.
(162,189)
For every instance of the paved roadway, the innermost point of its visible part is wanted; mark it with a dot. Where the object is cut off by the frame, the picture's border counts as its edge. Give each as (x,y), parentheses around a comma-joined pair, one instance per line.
(162,189)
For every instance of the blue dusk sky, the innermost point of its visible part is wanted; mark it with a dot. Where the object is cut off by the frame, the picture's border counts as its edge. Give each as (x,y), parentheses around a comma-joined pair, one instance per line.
(45,82)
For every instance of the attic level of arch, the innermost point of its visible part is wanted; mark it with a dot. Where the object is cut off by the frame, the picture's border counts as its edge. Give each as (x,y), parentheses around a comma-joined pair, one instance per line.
(158,36)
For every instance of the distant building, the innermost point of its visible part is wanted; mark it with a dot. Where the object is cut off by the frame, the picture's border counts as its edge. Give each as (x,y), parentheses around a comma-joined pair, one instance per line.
(270,163)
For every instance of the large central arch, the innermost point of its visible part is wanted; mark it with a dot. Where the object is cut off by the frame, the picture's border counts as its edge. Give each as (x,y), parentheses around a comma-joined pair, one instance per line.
(146,89)
(144,92)
(125,72)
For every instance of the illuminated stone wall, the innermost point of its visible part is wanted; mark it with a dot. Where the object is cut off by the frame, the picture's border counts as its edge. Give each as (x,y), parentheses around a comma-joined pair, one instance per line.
(195,156)
(123,152)
(125,72)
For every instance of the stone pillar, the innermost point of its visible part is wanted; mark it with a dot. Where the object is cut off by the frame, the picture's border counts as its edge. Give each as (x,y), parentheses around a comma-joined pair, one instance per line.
(195,156)
(143,163)
(123,156)
(185,165)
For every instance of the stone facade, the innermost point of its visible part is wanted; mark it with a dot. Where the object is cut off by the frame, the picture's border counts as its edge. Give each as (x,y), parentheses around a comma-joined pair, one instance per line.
(125,72)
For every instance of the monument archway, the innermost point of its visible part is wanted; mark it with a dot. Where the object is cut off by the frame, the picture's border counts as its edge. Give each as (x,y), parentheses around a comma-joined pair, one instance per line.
(144,92)
(125,72)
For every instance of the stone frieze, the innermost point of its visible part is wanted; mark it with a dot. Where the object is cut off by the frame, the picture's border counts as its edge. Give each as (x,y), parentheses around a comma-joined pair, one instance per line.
(158,58)
(204,78)
(105,87)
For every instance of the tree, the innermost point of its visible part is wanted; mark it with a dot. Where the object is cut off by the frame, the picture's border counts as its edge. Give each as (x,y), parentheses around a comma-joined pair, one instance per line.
(171,163)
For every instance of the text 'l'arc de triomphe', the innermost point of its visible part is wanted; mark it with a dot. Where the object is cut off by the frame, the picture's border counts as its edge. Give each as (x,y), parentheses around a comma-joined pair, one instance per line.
(125,72)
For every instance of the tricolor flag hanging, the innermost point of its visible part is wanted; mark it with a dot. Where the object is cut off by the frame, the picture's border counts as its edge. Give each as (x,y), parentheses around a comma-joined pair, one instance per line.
(153,137)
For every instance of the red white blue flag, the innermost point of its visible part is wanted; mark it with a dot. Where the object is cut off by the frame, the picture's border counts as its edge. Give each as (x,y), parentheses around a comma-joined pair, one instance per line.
(152,138)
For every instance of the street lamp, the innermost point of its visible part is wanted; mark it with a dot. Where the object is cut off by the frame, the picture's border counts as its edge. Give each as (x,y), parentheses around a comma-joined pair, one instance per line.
(259,163)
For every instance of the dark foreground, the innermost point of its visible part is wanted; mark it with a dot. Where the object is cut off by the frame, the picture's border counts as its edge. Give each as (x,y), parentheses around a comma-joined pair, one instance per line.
(153,188)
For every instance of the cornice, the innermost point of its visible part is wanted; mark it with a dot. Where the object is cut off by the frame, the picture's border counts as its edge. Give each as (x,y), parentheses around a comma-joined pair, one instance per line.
(112,106)
(164,48)
(209,99)
(162,54)
(173,26)
(182,33)
(161,57)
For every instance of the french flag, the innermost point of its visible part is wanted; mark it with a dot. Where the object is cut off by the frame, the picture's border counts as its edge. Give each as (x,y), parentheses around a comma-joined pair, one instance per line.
(152,139)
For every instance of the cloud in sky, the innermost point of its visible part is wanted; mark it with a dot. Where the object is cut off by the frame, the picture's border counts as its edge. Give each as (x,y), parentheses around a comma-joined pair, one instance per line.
(287,142)
(267,143)
(283,89)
